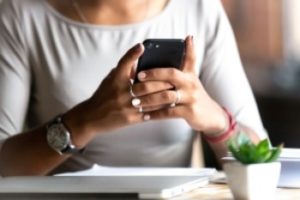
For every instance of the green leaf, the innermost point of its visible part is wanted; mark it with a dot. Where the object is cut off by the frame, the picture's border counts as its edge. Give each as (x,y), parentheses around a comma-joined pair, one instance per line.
(242,139)
(263,151)
(247,152)
(275,152)
(263,146)
(234,150)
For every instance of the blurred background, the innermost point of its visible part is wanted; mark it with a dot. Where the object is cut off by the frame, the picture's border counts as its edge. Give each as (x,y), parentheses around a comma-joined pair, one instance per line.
(268,36)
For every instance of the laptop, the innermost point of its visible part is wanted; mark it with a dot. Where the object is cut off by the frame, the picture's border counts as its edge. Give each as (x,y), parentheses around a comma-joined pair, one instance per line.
(146,183)
(290,168)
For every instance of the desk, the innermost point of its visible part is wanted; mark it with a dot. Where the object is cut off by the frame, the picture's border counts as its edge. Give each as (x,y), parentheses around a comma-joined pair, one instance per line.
(222,192)
(210,192)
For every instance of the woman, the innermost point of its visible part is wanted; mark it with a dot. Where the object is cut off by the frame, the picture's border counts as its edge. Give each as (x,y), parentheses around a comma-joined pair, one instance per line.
(55,54)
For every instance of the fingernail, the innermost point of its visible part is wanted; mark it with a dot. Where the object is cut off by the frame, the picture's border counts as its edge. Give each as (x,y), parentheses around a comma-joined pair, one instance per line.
(135,102)
(192,39)
(141,110)
(131,81)
(147,117)
(137,47)
(141,75)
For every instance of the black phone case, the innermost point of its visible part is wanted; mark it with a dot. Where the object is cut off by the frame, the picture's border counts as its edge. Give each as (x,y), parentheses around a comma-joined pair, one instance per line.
(161,53)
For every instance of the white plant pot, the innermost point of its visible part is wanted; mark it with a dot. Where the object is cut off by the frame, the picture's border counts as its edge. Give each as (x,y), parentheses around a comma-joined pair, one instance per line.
(253,181)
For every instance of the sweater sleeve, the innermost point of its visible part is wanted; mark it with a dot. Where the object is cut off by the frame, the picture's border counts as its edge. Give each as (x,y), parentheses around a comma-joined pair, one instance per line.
(222,72)
(15,75)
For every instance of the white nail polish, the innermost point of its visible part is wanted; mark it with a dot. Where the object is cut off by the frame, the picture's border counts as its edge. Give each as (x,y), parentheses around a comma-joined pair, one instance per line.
(147,117)
(141,109)
(135,102)
(131,81)
(172,105)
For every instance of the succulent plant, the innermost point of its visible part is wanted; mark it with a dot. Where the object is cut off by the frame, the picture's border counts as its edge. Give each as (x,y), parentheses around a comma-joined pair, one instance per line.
(247,152)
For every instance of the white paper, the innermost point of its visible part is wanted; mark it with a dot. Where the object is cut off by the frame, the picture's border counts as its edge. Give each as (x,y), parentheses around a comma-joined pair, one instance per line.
(97,170)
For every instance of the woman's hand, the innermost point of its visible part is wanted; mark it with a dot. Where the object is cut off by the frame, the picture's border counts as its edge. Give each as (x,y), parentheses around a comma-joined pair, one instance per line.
(194,104)
(111,107)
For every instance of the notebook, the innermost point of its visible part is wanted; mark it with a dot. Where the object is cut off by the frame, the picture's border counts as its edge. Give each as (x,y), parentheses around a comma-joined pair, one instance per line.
(147,183)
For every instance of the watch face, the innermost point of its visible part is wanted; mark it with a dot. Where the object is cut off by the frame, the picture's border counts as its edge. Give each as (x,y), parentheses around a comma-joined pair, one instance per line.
(57,137)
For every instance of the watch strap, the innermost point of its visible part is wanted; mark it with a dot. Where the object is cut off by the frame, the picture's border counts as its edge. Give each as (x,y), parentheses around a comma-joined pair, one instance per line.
(71,149)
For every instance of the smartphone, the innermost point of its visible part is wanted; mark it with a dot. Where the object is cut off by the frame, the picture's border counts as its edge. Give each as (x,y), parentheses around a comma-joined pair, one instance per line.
(161,53)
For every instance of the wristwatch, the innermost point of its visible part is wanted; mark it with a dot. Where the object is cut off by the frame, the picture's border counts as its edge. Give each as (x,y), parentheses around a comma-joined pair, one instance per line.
(59,138)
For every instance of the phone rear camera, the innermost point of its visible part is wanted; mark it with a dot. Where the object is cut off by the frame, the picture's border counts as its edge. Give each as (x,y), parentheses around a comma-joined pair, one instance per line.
(150,45)
(157,46)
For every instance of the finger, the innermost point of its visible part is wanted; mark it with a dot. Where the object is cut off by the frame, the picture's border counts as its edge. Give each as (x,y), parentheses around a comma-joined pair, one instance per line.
(189,64)
(128,61)
(131,114)
(164,98)
(167,113)
(133,71)
(171,75)
(149,87)
(152,108)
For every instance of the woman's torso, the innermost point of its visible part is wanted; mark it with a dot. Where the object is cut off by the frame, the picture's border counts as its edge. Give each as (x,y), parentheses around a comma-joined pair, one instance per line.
(69,60)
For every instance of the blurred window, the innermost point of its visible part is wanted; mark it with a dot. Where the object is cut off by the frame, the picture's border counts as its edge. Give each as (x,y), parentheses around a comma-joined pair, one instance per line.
(258,27)
(268,37)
